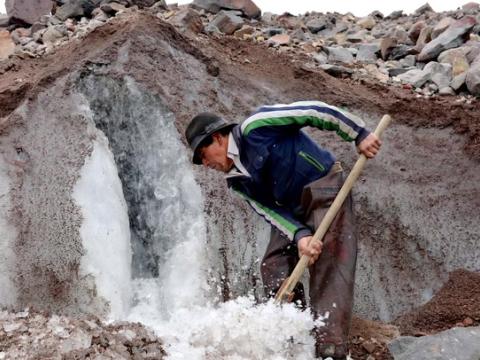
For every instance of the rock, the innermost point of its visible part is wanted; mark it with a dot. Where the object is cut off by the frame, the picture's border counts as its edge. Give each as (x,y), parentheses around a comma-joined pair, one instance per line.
(4,20)
(473,78)
(442,26)
(457,58)
(227,22)
(392,72)
(386,46)
(456,343)
(454,36)
(279,40)
(273,31)
(369,346)
(76,9)
(20,33)
(37,26)
(245,30)
(27,11)
(146,3)
(458,81)
(321,58)
(316,25)
(368,53)
(112,8)
(400,51)
(189,19)
(401,35)
(395,15)
(377,15)
(367,23)
(440,74)
(299,35)
(339,55)
(377,73)
(474,50)
(408,61)
(247,7)
(76,341)
(337,70)
(424,38)
(424,9)
(53,33)
(416,77)
(415,30)
(446,91)
(471,7)
(356,38)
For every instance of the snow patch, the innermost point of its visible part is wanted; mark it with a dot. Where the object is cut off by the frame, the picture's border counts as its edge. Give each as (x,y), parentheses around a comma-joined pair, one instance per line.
(105,230)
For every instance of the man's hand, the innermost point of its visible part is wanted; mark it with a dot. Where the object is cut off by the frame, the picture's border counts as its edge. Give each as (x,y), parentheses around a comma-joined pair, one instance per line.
(309,248)
(369,146)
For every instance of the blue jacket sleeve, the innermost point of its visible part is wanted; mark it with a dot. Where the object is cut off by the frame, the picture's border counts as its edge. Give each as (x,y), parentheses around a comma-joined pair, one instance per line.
(307,113)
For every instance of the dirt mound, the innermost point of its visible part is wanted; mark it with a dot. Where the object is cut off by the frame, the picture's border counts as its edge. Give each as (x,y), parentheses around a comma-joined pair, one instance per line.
(457,303)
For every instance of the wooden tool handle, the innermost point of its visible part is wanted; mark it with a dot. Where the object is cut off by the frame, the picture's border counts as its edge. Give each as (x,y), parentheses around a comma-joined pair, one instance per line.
(297,273)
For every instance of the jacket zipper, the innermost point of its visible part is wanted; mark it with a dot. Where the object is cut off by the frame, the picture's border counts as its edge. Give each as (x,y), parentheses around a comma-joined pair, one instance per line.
(310,159)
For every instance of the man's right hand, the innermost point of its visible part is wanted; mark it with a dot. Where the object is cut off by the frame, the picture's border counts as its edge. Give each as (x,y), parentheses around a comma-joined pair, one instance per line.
(309,248)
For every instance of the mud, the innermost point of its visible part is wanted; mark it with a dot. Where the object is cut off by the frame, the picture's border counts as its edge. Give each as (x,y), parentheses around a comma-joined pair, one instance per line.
(433,148)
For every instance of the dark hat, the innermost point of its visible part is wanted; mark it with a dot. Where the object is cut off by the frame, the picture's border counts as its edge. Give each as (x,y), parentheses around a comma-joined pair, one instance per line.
(200,128)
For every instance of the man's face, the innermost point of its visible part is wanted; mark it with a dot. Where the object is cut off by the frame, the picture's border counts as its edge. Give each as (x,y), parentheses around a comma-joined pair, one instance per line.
(215,156)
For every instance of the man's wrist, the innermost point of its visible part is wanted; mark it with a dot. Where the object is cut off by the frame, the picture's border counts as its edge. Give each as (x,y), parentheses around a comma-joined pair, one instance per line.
(301,233)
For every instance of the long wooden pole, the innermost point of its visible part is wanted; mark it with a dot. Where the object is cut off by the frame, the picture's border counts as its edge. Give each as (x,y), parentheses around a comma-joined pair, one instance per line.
(290,283)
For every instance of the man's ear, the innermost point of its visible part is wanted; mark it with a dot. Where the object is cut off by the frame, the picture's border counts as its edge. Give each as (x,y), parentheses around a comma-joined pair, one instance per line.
(218,137)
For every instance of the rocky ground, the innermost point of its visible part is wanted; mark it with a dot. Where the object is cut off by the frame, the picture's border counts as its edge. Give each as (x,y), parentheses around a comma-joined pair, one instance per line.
(35,335)
(424,69)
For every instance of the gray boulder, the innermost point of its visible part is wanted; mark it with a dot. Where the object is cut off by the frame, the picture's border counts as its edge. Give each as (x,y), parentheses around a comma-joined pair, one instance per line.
(408,61)
(442,25)
(458,81)
(400,51)
(454,36)
(339,55)
(368,53)
(395,15)
(27,11)
(416,77)
(76,8)
(227,22)
(4,20)
(457,343)
(440,74)
(473,80)
(316,25)
(424,9)
(247,7)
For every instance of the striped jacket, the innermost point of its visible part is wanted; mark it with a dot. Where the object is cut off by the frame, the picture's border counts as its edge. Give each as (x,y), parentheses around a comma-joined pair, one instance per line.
(281,159)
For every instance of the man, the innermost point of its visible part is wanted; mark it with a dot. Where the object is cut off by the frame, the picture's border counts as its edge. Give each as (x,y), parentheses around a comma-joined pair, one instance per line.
(291,181)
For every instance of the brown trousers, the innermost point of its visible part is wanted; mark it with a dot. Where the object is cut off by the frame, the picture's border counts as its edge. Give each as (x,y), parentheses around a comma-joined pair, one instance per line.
(332,275)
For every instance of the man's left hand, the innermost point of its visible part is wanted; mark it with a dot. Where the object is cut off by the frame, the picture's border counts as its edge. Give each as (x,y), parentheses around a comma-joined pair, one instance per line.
(369,146)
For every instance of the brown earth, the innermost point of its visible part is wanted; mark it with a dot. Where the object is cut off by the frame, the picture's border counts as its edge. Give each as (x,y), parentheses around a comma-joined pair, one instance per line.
(232,59)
